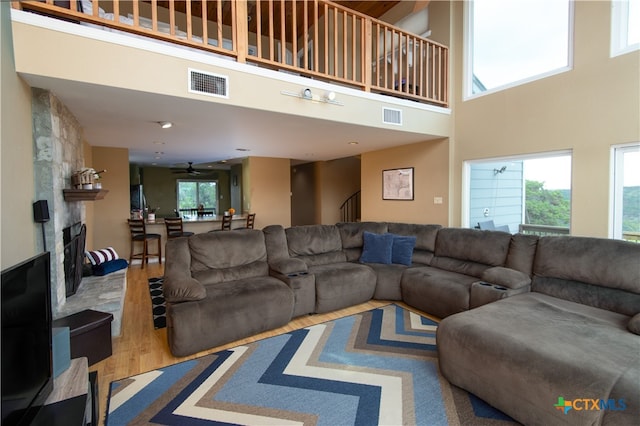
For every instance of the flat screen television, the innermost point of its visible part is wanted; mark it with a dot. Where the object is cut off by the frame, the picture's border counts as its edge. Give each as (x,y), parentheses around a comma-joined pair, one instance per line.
(27,366)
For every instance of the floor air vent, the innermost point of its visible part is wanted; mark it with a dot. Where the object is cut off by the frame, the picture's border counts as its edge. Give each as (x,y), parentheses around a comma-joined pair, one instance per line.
(392,116)
(208,84)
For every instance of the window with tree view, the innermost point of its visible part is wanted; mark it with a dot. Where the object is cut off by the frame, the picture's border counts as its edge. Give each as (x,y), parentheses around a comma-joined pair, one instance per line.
(195,193)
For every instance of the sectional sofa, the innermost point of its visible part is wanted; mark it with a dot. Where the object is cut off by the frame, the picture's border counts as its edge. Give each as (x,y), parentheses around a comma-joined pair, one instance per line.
(528,322)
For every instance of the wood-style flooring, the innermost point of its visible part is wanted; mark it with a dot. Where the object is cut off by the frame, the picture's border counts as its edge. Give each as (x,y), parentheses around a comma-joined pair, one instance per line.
(141,348)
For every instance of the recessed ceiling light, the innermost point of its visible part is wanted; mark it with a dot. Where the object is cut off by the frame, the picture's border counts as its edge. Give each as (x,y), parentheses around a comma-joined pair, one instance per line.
(353,143)
(165,124)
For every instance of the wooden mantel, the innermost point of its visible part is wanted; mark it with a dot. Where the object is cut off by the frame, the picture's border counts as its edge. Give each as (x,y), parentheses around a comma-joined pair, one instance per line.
(84,194)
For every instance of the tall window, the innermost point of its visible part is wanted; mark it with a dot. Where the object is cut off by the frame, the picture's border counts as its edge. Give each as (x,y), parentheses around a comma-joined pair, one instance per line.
(513,41)
(626,192)
(193,193)
(625,26)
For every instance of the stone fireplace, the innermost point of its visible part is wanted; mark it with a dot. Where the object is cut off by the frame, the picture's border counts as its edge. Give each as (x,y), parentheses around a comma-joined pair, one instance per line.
(58,153)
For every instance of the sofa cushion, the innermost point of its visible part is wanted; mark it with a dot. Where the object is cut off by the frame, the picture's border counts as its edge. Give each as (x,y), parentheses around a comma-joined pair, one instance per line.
(522,251)
(339,285)
(222,250)
(425,234)
(593,271)
(313,240)
(521,353)
(402,249)
(486,247)
(598,261)
(436,291)
(634,324)
(377,248)
(234,273)
(351,235)
(231,310)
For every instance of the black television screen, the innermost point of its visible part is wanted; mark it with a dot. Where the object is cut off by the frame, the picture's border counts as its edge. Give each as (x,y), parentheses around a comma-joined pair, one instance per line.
(26,352)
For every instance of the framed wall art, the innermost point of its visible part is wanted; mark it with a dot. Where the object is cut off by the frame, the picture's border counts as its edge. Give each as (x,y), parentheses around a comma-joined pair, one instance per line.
(397,184)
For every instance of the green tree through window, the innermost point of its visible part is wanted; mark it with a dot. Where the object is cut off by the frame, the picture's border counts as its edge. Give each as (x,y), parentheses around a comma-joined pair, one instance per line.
(193,193)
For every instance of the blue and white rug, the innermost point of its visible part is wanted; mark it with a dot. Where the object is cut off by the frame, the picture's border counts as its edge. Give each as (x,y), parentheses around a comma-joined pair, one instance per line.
(378,367)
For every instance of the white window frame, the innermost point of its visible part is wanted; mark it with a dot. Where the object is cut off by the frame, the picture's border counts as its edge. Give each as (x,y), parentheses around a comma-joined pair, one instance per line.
(467,85)
(616,180)
(466,176)
(620,29)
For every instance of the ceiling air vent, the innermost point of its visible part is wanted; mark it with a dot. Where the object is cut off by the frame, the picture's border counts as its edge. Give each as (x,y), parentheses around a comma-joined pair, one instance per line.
(206,83)
(392,116)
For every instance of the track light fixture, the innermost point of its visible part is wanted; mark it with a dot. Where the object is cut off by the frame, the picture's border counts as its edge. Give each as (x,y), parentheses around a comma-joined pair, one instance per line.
(308,95)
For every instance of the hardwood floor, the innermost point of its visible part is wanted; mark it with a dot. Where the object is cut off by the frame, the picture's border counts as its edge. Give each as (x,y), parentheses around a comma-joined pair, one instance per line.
(141,348)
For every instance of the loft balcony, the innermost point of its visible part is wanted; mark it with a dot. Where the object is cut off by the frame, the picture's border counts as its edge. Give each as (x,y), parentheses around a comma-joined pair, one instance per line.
(314,38)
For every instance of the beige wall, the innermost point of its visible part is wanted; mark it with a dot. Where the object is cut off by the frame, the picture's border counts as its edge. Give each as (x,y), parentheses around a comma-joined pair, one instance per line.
(268,190)
(18,230)
(336,181)
(585,110)
(430,163)
(110,214)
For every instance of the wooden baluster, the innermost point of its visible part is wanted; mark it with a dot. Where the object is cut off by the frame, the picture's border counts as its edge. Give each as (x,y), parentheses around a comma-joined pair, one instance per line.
(189,21)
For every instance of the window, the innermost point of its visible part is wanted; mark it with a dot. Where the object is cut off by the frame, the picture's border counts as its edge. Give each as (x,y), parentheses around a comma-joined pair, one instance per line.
(625,26)
(530,194)
(511,42)
(193,193)
(626,192)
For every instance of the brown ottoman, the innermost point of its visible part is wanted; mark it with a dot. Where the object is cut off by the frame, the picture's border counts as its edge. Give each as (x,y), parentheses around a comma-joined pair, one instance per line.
(90,333)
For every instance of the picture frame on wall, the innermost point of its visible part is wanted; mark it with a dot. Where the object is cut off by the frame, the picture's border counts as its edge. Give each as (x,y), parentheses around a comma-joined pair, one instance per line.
(397,184)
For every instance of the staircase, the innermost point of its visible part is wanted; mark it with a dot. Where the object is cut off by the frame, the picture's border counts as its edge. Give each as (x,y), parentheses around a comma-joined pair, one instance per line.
(350,209)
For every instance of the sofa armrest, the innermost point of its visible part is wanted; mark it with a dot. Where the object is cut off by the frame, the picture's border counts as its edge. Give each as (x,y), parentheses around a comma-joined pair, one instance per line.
(288,266)
(179,285)
(506,277)
(183,289)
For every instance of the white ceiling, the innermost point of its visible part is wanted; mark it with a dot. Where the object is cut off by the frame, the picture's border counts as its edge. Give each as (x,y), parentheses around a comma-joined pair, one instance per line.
(208,132)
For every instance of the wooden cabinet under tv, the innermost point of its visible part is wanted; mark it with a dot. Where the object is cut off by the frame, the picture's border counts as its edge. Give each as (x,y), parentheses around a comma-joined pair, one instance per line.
(72,400)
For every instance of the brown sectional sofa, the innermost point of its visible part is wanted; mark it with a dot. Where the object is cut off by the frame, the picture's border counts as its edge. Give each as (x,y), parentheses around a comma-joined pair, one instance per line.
(555,298)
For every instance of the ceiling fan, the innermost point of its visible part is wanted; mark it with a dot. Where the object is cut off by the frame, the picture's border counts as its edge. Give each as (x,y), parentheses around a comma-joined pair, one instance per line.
(189,170)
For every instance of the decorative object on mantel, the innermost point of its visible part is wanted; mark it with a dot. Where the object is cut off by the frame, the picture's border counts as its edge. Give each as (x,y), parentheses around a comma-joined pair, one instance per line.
(86,178)
(84,194)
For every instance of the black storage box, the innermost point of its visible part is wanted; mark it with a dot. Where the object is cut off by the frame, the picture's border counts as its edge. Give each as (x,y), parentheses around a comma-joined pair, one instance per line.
(90,333)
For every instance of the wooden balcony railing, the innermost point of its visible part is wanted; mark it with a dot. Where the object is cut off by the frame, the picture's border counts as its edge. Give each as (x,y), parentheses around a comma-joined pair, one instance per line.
(315,38)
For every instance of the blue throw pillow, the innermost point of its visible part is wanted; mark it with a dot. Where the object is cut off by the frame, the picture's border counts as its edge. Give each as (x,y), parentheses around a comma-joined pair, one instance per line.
(109,267)
(402,249)
(376,248)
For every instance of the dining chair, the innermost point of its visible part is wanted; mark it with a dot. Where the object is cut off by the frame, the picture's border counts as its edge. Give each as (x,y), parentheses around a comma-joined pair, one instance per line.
(251,218)
(226,223)
(139,234)
(175,228)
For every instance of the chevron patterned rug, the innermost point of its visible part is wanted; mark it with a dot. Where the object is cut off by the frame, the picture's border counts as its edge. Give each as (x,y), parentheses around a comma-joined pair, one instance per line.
(378,367)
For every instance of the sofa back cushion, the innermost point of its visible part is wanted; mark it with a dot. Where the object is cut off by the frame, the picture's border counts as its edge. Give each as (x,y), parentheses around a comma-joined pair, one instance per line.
(315,244)
(228,255)
(351,234)
(486,247)
(593,271)
(522,251)
(425,239)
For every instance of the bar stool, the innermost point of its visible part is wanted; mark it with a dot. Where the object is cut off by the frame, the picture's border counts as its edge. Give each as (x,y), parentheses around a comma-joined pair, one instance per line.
(174,228)
(251,218)
(139,234)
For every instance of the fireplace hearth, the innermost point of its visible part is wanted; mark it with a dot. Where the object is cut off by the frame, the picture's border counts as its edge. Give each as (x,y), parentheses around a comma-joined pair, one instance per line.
(74,238)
